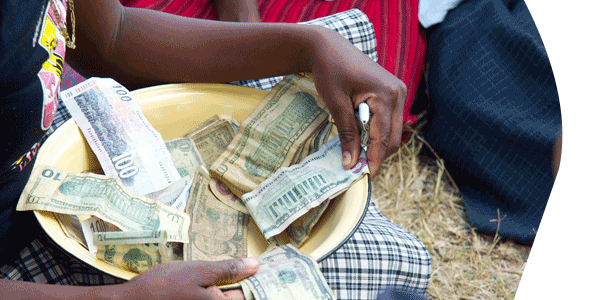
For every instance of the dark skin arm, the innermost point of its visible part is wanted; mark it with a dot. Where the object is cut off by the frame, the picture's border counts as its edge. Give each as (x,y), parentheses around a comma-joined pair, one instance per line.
(173,280)
(238,10)
(140,47)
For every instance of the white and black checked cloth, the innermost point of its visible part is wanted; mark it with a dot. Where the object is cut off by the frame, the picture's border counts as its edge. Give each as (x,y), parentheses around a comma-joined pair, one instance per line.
(379,255)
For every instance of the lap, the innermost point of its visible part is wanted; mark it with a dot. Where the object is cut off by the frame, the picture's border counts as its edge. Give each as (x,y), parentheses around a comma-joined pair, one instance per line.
(44,262)
(379,255)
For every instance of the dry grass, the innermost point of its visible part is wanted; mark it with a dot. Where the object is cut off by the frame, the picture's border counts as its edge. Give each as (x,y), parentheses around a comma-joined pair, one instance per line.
(415,193)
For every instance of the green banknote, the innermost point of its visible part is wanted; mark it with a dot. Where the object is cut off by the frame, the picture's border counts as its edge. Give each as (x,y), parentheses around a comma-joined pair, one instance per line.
(271,135)
(293,191)
(135,257)
(218,231)
(212,139)
(285,273)
(53,189)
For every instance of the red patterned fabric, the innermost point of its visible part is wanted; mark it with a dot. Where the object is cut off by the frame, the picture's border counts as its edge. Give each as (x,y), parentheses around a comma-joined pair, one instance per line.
(400,42)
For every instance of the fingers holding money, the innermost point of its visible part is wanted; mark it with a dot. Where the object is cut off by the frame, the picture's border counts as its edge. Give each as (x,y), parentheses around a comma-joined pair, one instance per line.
(191,280)
(226,271)
(346,126)
(235,294)
(385,127)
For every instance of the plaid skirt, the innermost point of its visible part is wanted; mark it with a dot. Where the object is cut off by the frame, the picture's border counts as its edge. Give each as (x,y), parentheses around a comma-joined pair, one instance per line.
(379,255)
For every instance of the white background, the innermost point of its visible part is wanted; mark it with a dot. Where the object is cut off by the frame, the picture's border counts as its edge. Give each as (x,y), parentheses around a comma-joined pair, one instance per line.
(565,258)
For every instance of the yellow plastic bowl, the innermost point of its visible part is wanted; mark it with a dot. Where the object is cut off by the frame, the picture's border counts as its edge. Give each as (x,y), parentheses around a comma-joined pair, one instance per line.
(173,110)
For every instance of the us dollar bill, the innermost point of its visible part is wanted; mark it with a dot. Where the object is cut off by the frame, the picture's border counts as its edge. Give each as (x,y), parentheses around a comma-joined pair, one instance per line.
(285,273)
(129,237)
(301,152)
(71,226)
(218,231)
(135,257)
(300,229)
(52,189)
(212,139)
(185,156)
(123,140)
(187,160)
(293,191)
(203,125)
(90,225)
(174,195)
(322,137)
(271,135)
(235,125)
(364,131)
(223,194)
(313,143)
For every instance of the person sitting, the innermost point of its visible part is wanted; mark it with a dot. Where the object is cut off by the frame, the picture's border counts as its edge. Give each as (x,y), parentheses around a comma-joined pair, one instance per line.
(140,47)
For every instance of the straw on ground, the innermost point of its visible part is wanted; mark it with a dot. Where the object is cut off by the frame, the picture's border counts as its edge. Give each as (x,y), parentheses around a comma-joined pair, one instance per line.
(417,194)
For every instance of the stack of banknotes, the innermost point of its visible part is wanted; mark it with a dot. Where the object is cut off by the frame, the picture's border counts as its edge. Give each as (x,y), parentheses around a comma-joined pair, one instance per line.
(192,198)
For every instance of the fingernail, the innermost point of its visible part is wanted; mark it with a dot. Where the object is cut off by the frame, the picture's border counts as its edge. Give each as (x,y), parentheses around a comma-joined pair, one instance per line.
(346,159)
(251,262)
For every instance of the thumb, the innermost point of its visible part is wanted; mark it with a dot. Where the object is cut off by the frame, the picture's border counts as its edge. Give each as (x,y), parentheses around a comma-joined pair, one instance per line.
(350,141)
(226,271)
(343,116)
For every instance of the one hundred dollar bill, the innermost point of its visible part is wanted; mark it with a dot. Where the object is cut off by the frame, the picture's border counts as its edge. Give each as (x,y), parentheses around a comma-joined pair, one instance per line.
(218,231)
(123,140)
(271,135)
(285,273)
(293,191)
(52,189)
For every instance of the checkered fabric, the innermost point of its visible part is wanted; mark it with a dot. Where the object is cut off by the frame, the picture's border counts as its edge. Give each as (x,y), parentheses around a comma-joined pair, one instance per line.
(45,262)
(379,255)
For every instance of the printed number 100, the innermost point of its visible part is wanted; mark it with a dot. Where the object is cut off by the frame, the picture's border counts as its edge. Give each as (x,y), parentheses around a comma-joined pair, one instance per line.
(124,165)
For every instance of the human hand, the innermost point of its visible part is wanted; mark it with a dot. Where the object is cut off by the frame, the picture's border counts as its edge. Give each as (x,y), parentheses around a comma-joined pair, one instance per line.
(345,77)
(189,280)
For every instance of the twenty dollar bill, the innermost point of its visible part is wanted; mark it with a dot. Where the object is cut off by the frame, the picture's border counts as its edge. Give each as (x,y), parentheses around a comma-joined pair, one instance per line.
(293,191)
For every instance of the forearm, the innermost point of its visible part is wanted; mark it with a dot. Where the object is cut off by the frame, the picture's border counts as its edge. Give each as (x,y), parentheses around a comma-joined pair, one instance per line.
(149,47)
(10,289)
(238,10)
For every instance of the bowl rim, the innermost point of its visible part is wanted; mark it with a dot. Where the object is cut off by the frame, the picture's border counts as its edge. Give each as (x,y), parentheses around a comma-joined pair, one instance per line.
(42,217)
